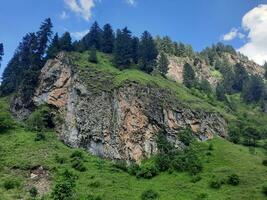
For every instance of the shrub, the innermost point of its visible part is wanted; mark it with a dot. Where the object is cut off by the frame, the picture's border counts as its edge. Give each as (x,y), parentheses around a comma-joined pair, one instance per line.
(264,162)
(186,137)
(77,164)
(149,195)
(64,189)
(216,183)
(40,136)
(147,170)
(95,184)
(163,162)
(41,119)
(60,160)
(133,169)
(233,179)
(196,179)
(234,134)
(211,147)
(202,196)
(77,154)
(6,121)
(10,184)
(264,188)
(120,164)
(33,192)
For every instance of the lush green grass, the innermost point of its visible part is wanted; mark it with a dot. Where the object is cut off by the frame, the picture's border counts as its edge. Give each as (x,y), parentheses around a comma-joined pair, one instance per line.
(20,152)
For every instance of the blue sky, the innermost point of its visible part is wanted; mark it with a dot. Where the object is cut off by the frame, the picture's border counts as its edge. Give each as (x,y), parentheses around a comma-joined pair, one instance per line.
(197,22)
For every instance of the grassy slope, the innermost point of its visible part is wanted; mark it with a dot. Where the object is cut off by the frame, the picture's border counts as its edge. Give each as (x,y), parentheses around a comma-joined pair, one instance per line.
(18,149)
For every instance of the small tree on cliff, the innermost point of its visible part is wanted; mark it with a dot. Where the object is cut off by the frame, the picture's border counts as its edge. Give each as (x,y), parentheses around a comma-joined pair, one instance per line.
(93,55)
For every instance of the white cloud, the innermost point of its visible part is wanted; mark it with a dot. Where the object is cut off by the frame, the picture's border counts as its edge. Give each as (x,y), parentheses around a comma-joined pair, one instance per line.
(131,2)
(255,23)
(234,33)
(63,15)
(79,35)
(82,8)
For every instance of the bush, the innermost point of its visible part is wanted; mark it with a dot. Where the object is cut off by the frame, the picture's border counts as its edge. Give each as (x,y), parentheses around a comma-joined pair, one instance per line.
(6,121)
(133,169)
(120,164)
(216,183)
(186,137)
(77,164)
(60,160)
(10,184)
(64,189)
(264,162)
(149,195)
(41,119)
(163,162)
(233,179)
(40,136)
(234,134)
(211,147)
(196,179)
(147,170)
(264,188)
(77,154)
(95,184)
(33,192)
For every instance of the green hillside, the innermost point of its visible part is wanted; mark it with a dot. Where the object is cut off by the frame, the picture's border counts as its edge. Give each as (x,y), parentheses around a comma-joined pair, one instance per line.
(20,153)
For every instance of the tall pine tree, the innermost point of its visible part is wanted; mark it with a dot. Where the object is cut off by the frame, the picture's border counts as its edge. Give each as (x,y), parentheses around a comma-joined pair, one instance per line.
(148,53)
(1,52)
(135,50)
(189,76)
(43,38)
(54,47)
(65,43)
(94,37)
(123,50)
(108,39)
(163,64)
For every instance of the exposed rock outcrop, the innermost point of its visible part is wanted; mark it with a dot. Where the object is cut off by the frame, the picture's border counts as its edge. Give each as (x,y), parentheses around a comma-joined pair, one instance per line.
(122,122)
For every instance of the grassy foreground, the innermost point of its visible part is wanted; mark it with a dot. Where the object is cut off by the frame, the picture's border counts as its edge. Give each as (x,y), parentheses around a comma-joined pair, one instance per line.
(19,152)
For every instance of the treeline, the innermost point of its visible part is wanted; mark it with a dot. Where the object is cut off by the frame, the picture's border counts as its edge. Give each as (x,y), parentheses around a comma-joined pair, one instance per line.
(23,68)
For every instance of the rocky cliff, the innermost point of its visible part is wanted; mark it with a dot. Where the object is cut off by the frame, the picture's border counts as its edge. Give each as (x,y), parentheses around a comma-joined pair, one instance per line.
(117,122)
(206,72)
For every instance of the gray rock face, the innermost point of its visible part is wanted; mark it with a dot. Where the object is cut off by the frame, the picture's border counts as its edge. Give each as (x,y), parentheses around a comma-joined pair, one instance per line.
(121,123)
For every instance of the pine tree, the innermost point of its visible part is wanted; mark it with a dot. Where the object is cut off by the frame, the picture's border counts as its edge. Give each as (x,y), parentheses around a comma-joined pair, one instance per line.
(54,47)
(79,46)
(189,76)
(65,43)
(123,50)
(163,64)
(94,37)
(1,52)
(265,67)
(253,90)
(24,59)
(108,39)
(220,92)
(148,53)
(135,50)
(43,38)
(93,55)
(241,76)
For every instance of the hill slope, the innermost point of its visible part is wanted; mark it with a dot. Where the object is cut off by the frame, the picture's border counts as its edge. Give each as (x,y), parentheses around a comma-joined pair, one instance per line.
(21,155)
